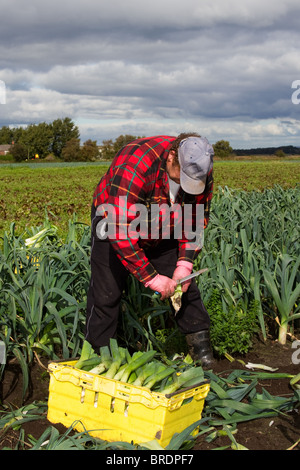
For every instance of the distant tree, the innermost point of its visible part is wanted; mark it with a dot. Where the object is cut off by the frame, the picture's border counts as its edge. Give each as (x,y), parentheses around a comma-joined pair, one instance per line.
(17,133)
(71,151)
(63,130)
(37,139)
(280,153)
(41,139)
(6,135)
(222,149)
(9,135)
(110,148)
(107,150)
(123,140)
(89,151)
(19,152)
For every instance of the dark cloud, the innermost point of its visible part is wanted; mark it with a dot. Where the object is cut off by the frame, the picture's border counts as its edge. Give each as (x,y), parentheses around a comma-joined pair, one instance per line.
(226,66)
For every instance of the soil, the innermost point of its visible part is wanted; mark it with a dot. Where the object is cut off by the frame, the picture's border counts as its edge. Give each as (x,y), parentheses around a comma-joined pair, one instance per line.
(277,433)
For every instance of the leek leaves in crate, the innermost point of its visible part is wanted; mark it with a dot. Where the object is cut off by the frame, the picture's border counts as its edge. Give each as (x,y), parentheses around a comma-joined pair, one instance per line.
(142,369)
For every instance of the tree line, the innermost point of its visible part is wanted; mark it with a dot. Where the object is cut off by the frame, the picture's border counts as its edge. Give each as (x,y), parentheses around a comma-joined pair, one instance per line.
(109,148)
(60,139)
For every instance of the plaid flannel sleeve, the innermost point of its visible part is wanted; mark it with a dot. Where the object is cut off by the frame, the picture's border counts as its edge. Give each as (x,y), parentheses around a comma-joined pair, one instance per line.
(126,190)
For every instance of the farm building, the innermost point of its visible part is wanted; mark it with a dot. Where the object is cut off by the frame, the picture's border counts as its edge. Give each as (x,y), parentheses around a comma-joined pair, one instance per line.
(4,149)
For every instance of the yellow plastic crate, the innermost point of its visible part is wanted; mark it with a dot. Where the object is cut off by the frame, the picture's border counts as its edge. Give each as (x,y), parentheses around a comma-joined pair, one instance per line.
(117,411)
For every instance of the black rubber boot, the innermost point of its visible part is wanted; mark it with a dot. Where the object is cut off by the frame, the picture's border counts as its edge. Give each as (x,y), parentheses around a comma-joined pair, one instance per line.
(200,348)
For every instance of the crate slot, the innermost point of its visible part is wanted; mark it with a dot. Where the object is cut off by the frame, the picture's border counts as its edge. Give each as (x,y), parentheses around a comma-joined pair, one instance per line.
(96,399)
(126,407)
(82,395)
(112,405)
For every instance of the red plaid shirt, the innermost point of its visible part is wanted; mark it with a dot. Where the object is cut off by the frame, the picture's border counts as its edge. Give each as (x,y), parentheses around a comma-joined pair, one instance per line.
(138,175)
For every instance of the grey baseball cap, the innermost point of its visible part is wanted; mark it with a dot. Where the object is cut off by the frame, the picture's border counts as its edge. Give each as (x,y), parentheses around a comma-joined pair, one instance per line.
(195,156)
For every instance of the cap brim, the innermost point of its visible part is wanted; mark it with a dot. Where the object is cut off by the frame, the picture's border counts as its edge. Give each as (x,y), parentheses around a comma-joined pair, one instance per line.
(191,186)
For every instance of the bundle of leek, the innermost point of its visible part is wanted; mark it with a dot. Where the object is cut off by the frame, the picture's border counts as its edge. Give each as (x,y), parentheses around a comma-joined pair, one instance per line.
(141,369)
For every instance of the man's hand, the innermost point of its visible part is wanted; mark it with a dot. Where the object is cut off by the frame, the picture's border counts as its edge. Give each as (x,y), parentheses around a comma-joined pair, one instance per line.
(183,268)
(164,285)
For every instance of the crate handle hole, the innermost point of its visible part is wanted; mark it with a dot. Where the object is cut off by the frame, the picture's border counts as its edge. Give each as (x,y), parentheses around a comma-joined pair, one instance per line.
(82,395)
(96,399)
(112,405)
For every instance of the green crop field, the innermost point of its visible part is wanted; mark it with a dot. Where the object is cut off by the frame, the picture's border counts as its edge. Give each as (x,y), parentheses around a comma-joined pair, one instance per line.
(65,189)
(251,288)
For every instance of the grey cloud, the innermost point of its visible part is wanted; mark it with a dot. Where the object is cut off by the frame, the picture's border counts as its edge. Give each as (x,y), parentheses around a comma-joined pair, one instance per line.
(165,61)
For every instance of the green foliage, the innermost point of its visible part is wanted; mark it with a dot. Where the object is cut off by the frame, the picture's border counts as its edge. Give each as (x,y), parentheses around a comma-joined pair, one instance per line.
(36,139)
(230,401)
(6,135)
(171,341)
(248,235)
(231,331)
(280,153)
(63,130)
(284,288)
(19,152)
(7,158)
(41,139)
(110,148)
(89,151)
(251,246)
(142,315)
(43,295)
(71,151)
(107,150)
(222,149)
(9,134)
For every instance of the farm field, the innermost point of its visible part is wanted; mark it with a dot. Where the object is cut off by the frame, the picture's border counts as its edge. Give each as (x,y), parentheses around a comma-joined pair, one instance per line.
(252,250)
(25,191)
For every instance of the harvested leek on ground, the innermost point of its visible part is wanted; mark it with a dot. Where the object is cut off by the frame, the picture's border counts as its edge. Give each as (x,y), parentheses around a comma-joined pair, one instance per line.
(142,369)
(36,240)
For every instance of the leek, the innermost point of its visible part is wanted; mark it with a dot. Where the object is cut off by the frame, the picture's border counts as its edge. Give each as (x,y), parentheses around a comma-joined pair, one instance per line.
(132,378)
(294,382)
(86,352)
(35,240)
(158,376)
(120,372)
(118,356)
(105,363)
(145,372)
(139,369)
(128,359)
(90,363)
(176,298)
(136,363)
(190,376)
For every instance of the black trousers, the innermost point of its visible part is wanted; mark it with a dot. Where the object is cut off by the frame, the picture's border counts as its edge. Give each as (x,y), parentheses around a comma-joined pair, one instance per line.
(108,280)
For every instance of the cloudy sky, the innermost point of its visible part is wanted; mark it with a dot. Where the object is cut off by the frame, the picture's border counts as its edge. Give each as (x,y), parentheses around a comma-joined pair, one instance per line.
(223,68)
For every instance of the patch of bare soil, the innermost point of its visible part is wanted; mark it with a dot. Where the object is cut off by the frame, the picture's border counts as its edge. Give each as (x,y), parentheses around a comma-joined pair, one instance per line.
(277,433)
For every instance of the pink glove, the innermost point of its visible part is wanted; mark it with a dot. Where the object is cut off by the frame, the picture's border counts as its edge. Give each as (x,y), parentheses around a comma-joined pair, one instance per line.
(162,284)
(183,268)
